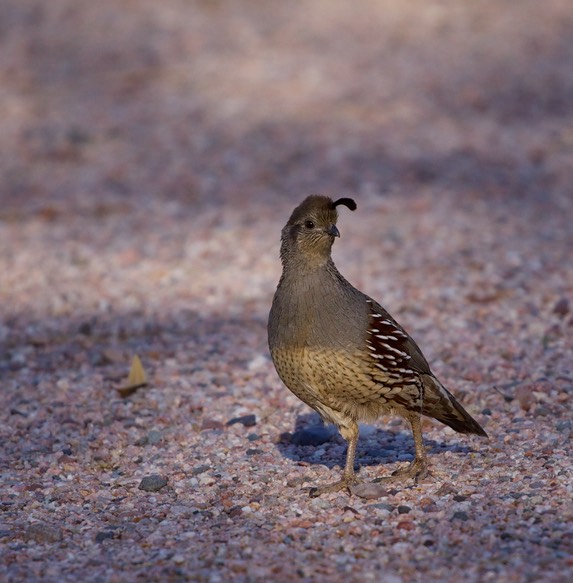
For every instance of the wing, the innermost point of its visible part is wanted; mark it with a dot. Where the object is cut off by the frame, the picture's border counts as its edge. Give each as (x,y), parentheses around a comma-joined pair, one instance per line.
(392,349)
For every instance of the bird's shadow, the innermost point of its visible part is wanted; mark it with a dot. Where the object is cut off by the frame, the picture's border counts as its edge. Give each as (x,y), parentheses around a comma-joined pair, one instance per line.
(376,447)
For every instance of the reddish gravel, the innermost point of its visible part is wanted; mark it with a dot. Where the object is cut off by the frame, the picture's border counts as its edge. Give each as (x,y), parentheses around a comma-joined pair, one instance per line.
(150,154)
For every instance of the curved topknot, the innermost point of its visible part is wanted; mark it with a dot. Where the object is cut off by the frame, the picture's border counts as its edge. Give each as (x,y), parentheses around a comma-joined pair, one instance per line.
(347,202)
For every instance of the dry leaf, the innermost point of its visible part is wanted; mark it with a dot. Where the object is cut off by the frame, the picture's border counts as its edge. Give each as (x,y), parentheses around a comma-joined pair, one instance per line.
(136,379)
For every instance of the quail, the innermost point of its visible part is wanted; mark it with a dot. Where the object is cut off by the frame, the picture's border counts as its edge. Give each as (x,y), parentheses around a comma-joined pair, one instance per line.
(342,353)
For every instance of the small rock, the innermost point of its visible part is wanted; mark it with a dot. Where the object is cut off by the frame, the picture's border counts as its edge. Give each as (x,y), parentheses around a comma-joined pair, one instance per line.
(253,437)
(402,509)
(562,307)
(316,435)
(260,361)
(153,483)
(383,506)
(368,490)
(14,411)
(207,480)
(85,328)
(235,511)
(199,470)
(350,509)
(246,420)
(254,451)
(63,384)
(154,437)
(460,515)
(103,535)
(406,525)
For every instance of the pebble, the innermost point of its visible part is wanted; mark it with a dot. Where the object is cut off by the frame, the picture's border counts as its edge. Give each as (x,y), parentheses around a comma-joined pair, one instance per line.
(260,361)
(246,420)
(460,515)
(154,437)
(383,506)
(104,535)
(562,307)
(153,483)
(368,490)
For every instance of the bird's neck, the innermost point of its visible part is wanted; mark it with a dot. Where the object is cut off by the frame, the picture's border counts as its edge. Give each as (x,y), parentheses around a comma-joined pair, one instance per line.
(299,266)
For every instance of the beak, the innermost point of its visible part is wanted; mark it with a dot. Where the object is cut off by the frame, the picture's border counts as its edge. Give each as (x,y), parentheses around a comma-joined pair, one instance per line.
(333,231)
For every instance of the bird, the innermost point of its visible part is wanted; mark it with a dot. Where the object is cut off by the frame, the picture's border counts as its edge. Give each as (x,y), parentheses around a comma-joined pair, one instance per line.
(342,353)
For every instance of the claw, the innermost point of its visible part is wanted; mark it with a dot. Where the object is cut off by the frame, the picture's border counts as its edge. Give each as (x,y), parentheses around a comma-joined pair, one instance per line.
(343,484)
(416,470)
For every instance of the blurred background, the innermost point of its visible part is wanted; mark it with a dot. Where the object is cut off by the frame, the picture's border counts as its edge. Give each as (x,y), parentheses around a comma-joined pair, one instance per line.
(215,102)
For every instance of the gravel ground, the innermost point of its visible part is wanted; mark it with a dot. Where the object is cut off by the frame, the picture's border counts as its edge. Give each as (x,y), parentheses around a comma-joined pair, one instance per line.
(150,154)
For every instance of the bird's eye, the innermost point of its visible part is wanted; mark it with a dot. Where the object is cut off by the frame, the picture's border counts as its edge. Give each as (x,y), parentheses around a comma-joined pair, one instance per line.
(309,224)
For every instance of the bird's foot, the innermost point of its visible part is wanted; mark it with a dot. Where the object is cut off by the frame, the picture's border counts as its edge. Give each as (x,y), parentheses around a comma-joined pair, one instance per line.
(416,470)
(345,483)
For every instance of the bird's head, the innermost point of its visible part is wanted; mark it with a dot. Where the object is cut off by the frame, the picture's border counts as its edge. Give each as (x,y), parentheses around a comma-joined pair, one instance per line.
(311,229)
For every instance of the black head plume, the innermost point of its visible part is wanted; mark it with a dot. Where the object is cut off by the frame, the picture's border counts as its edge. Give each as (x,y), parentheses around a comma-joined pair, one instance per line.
(347,202)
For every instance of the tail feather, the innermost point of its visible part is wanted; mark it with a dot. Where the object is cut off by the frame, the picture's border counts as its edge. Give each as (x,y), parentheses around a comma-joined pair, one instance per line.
(440,404)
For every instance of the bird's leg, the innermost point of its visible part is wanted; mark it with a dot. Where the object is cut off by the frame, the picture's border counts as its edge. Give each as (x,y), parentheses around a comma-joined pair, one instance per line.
(349,478)
(418,469)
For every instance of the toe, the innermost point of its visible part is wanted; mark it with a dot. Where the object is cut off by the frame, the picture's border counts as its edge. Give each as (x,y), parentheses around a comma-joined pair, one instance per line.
(343,484)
